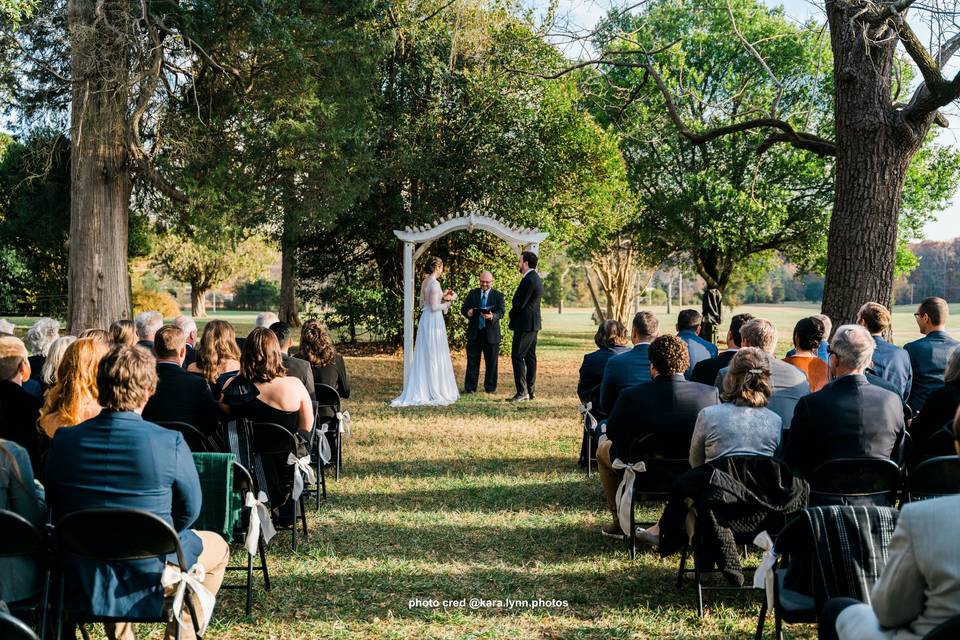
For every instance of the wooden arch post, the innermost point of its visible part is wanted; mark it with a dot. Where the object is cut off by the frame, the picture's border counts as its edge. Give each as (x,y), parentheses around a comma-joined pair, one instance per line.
(417,240)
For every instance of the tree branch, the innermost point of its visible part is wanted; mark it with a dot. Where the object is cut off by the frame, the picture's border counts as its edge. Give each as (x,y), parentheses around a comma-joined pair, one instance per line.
(936,91)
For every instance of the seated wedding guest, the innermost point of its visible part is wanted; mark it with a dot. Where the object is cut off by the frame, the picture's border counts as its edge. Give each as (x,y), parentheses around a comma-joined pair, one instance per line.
(890,362)
(264,319)
(147,324)
(848,418)
(743,424)
(123,332)
(919,587)
(807,336)
(7,327)
(38,340)
(180,396)
(189,328)
(218,358)
(941,406)
(299,369)
(631,367)
(611,339)
(19,576)
(825,343)
(18,409)
(706,370)
(667,404)
(263,392)
(328,366)
(929,354)
(51,365)
(789,383)
(688,330)
(100,335)
(118,459)
(73,399)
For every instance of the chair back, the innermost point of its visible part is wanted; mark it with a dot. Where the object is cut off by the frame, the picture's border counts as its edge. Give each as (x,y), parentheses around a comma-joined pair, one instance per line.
(14,629)
(20,537)
(934,478)
(117,535)
(665,456)
(193,436)
(242,480)
(855,481)
(271,439)
(945,630)
(940,443)
(327,396)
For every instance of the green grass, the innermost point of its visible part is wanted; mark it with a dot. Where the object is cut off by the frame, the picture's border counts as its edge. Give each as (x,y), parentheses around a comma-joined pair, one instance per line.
(478,500)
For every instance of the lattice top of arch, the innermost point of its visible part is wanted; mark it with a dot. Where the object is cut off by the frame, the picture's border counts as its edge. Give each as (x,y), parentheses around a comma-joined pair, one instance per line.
(472,222)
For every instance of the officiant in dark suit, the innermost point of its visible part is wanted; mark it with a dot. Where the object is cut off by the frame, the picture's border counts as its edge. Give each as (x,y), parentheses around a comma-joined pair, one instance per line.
(483,307)
(525,324)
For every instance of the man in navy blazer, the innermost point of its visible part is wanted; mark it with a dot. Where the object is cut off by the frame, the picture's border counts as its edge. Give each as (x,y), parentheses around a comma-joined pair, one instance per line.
(119,460)
(632,367)
(890,362)
(688,330)
(929,354)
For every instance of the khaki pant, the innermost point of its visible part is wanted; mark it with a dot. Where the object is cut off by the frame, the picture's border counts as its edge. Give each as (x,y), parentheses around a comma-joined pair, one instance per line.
(610,478)
(214,558)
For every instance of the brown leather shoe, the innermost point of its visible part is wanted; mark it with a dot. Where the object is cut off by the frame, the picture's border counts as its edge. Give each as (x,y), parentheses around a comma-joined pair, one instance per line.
(612,531)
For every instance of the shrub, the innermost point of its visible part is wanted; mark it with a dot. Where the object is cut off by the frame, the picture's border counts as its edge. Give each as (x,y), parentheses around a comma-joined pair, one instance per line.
(147,300)
(257,295)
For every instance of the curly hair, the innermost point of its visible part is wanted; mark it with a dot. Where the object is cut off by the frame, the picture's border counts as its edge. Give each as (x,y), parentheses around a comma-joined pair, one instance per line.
(431,264)
(76,380)
(217,345)
(315,345)
(747,382)
(261,360)
(669,355)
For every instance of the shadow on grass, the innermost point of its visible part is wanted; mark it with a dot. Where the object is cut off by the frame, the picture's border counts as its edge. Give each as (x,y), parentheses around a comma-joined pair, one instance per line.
(517,467)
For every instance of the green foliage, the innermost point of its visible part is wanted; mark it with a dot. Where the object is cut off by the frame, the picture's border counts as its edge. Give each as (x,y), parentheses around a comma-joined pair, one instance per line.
(149,300)
(256,295)
(34,222)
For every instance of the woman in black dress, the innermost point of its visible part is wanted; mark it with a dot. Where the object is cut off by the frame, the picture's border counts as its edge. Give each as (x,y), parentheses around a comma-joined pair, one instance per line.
(328,366)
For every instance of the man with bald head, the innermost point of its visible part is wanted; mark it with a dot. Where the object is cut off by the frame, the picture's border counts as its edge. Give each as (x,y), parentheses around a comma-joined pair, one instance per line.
(483,307)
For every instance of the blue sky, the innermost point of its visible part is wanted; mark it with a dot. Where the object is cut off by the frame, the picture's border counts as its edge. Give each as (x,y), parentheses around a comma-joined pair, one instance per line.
(585,13)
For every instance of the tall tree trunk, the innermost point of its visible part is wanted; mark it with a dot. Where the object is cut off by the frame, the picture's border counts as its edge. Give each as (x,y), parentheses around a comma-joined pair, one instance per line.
(289,309)
(198,303)
(874,150)
(100,184)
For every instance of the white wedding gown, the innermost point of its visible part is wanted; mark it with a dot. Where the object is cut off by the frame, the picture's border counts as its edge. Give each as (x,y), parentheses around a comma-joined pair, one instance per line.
(431,381)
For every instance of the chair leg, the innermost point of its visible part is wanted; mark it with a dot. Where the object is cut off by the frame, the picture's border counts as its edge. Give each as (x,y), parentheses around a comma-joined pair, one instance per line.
(698,578)
(683,565)
(303,517)
(293,528)
(761,620)
(263,565)
(45,605)
(777,624)
(193,618)
(339,453)
(323,481)
(632,534)
(589,454)
(249,583)
(319,480)
(60,607)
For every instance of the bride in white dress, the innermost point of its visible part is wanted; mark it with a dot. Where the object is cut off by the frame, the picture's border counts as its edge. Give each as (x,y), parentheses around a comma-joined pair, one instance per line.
(431,381)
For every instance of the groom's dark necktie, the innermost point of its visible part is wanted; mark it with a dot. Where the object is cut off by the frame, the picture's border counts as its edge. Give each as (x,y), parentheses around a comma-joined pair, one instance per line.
(483,303)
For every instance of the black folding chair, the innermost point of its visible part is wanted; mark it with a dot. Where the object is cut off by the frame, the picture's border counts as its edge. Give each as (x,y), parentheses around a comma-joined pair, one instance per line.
(21,539)
(243,484)
(789,606)
(14,629)
(948,630)
(665,456)
(940,443)
(855,481)
(320,491)
(588,439)
(934,478)
(116,535)
(273,443)
(328,398)
(194,438)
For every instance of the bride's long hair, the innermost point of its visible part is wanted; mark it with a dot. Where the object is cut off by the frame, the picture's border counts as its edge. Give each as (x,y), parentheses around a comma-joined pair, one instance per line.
(431,265)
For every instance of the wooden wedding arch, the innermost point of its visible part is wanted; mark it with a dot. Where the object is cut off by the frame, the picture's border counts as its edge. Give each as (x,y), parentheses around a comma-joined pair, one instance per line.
(417,240)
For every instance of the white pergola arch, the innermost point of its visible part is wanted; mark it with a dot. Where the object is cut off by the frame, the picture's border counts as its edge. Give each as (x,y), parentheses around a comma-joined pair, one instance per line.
(417,240)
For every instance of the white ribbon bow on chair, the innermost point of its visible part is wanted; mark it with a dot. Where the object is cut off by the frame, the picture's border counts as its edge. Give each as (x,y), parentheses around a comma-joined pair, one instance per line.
(193,580)
(590,426)
(764,575)
(625,491)
(302,471)
(323,447)
(343,423)
(260,521)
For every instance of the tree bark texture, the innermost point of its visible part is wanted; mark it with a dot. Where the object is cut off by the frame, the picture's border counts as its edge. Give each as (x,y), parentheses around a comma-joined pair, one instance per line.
(198,303)
(100,183)
(289,308)
(874,149)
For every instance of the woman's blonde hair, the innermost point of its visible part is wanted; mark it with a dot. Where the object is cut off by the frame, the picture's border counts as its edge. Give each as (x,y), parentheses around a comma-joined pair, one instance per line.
(217,345)
(747,382)
(50,371)
(123,332)
(76,380)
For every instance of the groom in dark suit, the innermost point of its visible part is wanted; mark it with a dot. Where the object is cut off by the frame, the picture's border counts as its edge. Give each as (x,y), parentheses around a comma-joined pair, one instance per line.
(525,323)
(483,333)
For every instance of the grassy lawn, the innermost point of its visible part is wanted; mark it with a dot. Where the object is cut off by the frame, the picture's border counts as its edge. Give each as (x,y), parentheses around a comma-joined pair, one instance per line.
(479,500)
